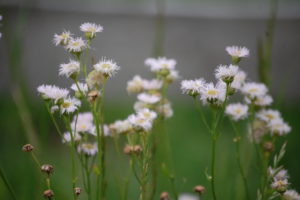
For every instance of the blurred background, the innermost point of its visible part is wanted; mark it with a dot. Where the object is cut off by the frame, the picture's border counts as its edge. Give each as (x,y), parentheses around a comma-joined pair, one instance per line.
(193,32)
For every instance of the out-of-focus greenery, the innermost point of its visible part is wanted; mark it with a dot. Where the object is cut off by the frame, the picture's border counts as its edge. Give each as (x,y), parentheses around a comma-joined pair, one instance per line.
(189,141)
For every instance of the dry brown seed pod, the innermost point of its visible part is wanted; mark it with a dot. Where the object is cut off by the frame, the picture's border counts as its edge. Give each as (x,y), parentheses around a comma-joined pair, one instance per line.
(128,149)
(93,95)
(27,148)
(47,169)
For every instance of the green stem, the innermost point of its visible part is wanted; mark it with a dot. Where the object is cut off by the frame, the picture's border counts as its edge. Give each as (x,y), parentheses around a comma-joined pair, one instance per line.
(35,159)
(53,120)
(201,114)
(213,150)
(7,184)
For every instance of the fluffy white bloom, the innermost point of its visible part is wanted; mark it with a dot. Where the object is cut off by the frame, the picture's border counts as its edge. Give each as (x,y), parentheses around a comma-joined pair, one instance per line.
(63,38)
(165,110)
(187,197)
(192,87)
(91,29)
(236,51)
(148,98)
(67,137)
(69,105)
(280,185)
(161,63)
(84,123)
(281,175)
(147,114)
(54,109)
(135,85)
(226,73)
(52,92)
(237,111)
(121,126)
(268,115)
(140,105)
(278,127)
(82,86)
(88,149)
(214,94)
(239,80)
(254,90)
(106,130)
(261,101)
(173,75)
(107,67)
(76,45)
(69,69)
(140,123)
(152,84)
(291,195)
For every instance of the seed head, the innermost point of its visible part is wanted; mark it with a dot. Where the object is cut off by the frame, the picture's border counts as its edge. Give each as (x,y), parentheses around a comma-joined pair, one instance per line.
(77,191)
(27,148)
(93,95)
(48,169)
(199,189)
(48,194)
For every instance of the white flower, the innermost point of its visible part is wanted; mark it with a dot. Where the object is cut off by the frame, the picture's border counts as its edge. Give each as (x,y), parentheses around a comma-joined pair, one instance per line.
(187,197)
(69,105)
(165,110)
(147,114)
(226,73)
(67,137)
(265,100)
(82,86)
(280,185)
(237,111)
(291,195)
(88,149)
(140,105)
(173,75)
(281,175)
(152,84)
(254,90)
(52,92)
(236,51)
(94,79)
(84,123)
(76,45)
(140,123)
(148,98)
(91,29)
(192,87)
(54,109)
(161,63)
(268,115)
(69,69)
(107,67)
(135,85)
(278,127)
(62,39)
(213,94)
(121,126)
(239,80)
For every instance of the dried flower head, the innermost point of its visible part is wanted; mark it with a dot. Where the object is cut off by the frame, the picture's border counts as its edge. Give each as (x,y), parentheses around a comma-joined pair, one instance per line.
(48,169)
(48,194)
(27,148)
(199,189)
(77,191)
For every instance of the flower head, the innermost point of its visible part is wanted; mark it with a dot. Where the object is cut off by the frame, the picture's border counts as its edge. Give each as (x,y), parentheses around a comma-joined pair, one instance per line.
(62,39)
(107,67)
(76,45)
(254,90)
(94,79)
(88,149)
(213,94)
(121,127)
(52,92)
(262,101)
(237,111)
(268,115)
(236,51)
(140,123)
(147,114)
(135,85)
(165,110)
(83,123)
(226,73)
(91,29)
(192,87)
(69,105)
(161,65)
(239,80)
(279,127)
(67,137)
(291,195)
(82,87)
(70,69)
(153,84)
(148,98)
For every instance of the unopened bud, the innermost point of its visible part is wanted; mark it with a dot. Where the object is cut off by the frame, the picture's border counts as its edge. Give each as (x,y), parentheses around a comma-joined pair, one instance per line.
(48,194)
(48,169)
(127,149)
(93,95)
(27,148)
(136,149)
(164,196)
(268,147)
(199,189)
(77,191)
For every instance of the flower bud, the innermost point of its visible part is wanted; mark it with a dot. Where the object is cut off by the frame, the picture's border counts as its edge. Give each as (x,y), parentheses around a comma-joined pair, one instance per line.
(268,147)
(27,148)
(77,191)
(164,196)
(48,169)
(127,149)
(199,189)
(93,95)
(48,194)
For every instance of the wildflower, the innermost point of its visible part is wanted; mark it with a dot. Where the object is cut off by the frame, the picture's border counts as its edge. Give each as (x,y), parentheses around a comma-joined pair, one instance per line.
(52,92)
(226,73)
(88,149)
(94,79)
(213,94)
(79,89)
(67,137)
(147,114)
(262,101)
(172,76)
(239,80)
(192,87)
(161,65)
(140,105)
(254,90)
(91,29)
(27,148)
(199,189)
(135,85)
(187,197)
(48,194)
(54,109)
(76,45)
(237,111)
(62,39)
(148,98)
(291,195)
(69,105)
(140,123)
(48,169)
(268,115)
(280,185)
(121,127)
(84,123)
(237,53)
(107,67)
(70,70)
(278,127)
(165,110)
(152,84)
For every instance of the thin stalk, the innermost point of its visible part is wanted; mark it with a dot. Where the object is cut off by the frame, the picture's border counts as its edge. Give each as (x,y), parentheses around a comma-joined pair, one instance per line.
(35,159)
(237,152)
(7,184)
(86,168)
(77,85)
(213,150)
(201,114)
(53,120)
(86,58)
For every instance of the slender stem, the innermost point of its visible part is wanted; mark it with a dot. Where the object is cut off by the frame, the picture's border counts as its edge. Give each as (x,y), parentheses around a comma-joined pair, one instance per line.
(213,150)
(86,58)
(237,151)
(201,114)
(37,162)
(86,168)
(7,184)
(78,88)
(53,120)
